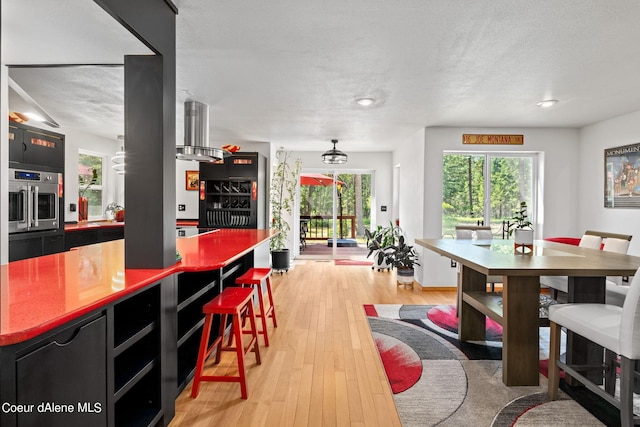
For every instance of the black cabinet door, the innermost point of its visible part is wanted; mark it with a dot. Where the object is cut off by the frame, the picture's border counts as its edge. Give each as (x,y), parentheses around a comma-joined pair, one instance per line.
(25,248)
(53,244)
(69,370)
(43,149)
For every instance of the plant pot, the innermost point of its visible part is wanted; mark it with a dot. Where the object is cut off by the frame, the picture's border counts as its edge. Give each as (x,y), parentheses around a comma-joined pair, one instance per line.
(380,262)
(523,240)
(119,215)
(405,276)
(280,259)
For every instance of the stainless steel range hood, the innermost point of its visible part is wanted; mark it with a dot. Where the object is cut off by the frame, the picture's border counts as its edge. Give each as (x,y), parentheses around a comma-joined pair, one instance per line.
(196,135)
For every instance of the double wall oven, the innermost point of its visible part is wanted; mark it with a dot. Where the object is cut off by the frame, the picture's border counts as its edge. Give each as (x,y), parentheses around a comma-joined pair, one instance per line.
(34,200)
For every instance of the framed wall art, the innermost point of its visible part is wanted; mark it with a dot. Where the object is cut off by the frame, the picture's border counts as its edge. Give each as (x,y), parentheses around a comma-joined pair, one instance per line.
(193,180)
(621,176)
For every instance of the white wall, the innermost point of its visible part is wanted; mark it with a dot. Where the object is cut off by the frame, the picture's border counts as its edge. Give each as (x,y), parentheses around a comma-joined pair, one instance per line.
(592,215)
(409,192)
(558,204)
(183,196)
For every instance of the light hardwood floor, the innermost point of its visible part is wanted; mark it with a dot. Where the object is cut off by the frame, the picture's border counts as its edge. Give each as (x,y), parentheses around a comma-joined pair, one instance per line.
(321,368)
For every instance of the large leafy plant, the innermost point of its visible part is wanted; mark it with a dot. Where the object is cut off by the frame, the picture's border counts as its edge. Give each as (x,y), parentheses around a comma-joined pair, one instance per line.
(381,238)
(283,187)
(400,255)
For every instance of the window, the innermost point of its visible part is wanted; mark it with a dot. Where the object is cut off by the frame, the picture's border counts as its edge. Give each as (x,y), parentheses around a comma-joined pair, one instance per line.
(90,184)
(485,188)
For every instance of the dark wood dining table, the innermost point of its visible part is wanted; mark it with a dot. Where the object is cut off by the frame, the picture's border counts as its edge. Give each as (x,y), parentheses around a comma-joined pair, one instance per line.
(516,308)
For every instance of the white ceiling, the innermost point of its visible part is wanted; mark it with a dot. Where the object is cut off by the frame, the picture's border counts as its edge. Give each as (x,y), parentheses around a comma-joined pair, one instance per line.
(289,71)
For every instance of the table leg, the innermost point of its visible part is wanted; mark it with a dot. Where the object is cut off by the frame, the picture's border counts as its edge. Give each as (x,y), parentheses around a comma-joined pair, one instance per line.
(520,335)
(581,351)
(471,322)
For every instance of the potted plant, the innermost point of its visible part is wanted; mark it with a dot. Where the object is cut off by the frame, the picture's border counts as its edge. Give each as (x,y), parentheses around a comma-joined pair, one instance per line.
(521,229)
(404,258)
(283,185)
(115,211)
(379,242)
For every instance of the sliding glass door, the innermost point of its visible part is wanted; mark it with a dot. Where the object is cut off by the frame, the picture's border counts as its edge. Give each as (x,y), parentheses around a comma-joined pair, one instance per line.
(485,188)
(334,211)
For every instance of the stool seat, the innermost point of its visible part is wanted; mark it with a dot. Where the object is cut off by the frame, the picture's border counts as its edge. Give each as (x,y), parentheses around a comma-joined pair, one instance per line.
(237,303)
(229,301)
(255,277)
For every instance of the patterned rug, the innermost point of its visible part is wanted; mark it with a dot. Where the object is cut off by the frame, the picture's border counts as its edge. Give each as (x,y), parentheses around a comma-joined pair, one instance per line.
(436,380)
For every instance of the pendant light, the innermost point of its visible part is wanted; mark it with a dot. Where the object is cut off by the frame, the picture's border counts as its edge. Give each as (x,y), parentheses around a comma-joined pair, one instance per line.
(333,156)
(118,159)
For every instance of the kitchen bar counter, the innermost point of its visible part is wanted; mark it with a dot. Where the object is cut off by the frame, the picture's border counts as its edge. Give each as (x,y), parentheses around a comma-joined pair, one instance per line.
(39,294)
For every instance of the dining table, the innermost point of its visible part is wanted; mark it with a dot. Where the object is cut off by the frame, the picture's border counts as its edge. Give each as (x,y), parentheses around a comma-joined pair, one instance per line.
(517,307)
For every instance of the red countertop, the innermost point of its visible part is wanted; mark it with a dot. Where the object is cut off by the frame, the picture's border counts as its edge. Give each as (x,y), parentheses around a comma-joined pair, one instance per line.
(39,294)
(89,225)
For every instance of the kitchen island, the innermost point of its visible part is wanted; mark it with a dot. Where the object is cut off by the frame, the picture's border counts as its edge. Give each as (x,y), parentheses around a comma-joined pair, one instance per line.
(98,344)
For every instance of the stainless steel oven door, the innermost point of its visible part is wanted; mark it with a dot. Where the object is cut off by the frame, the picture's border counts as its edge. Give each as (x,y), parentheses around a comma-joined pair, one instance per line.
(18,208)
(33,201)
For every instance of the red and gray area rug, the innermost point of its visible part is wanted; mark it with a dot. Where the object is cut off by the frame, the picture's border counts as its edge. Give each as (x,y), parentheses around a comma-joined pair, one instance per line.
(437,380)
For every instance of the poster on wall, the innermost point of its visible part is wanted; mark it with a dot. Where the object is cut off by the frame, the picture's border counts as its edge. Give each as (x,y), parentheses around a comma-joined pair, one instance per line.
(621,175)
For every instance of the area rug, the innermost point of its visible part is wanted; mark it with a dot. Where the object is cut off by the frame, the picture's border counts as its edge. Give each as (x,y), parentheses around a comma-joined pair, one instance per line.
(436,380)
(352,262)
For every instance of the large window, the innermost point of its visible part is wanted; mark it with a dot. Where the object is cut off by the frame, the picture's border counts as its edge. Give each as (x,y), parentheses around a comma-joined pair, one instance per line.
(90,184)
(485,188)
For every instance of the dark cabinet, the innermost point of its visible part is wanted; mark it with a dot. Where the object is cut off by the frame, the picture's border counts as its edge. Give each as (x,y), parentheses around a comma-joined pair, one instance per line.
(234,193)
(76,238)
(64,377)
(37,148)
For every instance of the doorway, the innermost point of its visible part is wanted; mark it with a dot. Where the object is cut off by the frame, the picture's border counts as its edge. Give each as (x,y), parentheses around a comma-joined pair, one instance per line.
(334,210)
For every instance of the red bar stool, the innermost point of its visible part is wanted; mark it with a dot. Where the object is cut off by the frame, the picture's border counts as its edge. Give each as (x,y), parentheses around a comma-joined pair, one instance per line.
(255,277)
(237,303)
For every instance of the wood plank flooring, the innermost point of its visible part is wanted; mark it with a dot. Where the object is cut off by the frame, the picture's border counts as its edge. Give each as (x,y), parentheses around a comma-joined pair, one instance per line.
(322,367)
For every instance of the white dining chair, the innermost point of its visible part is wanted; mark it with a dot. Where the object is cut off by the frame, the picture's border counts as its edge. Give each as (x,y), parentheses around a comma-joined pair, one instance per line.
(616,290)
(617,329)
(561,283)
(480,234)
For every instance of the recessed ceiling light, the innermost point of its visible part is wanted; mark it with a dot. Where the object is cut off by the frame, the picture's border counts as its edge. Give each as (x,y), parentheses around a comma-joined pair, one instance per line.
(365,102)
(547,103)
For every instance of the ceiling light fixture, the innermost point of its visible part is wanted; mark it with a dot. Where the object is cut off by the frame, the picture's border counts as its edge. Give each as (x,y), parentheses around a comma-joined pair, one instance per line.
(333,156)
(118,159)
(547,103)
(365,102)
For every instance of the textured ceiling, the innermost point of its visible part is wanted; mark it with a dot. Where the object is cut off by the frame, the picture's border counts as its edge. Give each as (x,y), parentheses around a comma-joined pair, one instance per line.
(289,71)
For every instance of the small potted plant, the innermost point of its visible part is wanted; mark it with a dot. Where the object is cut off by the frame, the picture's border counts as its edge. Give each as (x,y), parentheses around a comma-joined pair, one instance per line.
(404,258)
(283,188)
(521,229)
(380,241)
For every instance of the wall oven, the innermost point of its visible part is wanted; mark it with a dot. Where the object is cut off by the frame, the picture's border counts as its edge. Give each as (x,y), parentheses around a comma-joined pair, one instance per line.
(34,200)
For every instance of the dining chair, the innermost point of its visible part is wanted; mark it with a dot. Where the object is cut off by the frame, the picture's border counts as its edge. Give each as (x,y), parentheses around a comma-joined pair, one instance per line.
(481,233)
(617,329)
(561,283)
(616,290)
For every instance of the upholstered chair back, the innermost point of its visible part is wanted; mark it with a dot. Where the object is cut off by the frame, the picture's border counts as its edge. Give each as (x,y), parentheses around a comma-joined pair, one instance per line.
(630,321)
(464,234)
(590,241)
(484,234)
(616,245)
